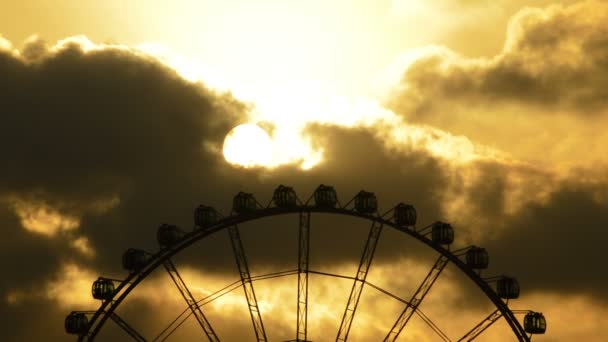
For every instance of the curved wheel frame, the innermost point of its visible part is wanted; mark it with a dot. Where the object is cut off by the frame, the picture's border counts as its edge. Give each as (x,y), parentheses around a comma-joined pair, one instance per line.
(108,307)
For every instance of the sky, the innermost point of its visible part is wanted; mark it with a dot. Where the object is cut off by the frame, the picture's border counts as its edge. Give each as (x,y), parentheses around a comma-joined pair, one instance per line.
(119,116)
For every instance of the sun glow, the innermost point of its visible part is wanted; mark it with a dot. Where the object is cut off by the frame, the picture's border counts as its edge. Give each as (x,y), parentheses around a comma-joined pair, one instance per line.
(248,145)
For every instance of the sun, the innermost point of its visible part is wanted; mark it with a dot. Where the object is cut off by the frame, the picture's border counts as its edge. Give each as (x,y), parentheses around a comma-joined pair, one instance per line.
(248,145)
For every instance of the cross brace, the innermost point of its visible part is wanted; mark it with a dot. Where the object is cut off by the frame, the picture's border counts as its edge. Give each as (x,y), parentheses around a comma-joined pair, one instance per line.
(252,302)
(192,304)
(303,252)
(357,289)
(127,328)
(417,298)
(481,327)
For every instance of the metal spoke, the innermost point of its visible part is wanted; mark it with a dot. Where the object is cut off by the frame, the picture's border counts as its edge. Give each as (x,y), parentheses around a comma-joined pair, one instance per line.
(357,289)
(417,298)
(482,326)
(241,263)
(303,252)
(180,319)
(127,328)
(433,326)
(419,312)
(192,303)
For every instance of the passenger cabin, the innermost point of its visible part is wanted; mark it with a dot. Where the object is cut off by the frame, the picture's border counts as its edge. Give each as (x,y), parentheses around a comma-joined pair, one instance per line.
(205,216)
(477,258)
(168,234)
(103,289)
(134,260)
(442,233)
(366,202)
(325,196)
(535,323)
(284,197)
(243,203)
(507,288)
(405,215)
(76,323)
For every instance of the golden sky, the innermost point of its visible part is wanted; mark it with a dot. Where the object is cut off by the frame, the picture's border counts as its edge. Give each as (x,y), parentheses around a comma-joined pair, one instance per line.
(117,116)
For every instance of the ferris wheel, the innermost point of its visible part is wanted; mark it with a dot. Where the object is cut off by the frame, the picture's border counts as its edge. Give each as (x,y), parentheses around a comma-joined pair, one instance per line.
(438,236)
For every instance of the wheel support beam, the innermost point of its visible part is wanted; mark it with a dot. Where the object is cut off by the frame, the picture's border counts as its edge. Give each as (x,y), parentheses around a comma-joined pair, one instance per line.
(192,303)
(303,252)
(127,328)
(357,289)
(252,302)
(481,327)
(417,298)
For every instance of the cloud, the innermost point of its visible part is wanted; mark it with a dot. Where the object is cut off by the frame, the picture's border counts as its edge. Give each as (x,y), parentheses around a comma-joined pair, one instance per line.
(120,143)
(566,226)
(87,133)
(553,57)
(541,101)
(545,88)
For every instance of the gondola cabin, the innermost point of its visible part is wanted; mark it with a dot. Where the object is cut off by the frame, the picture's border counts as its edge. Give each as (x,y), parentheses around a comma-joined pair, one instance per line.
(103,289)
(404,215)
(366,202)
(205,216)
(535,323)
(244,203)
(442,233)
(477,258)
(168,235)
(134,260)
(325,196)
(76,323)
(507,288)
(284,197)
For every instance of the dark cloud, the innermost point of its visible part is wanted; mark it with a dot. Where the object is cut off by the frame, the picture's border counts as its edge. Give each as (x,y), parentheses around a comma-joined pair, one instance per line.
(557,245)
(553,62)
(553,58)
(79,128)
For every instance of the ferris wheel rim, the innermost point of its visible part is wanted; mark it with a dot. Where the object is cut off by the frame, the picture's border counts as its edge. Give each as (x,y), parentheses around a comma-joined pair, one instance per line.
(165,253)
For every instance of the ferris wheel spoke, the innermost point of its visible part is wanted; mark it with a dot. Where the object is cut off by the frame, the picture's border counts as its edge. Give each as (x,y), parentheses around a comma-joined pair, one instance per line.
(357,289)
(433,326)
(127,328)
(303,253)
(192,303)
(481,326)
(417,298)
(252,302)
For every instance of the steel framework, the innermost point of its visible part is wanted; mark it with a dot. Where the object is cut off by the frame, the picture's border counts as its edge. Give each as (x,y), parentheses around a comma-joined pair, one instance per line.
(252,302)
(127,328)
(303,252)
(417,298)
(192,303)
(357,289)
(163,256)
(481,327)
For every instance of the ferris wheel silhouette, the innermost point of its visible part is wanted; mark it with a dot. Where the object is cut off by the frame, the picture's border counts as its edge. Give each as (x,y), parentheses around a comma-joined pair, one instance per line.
(438,236)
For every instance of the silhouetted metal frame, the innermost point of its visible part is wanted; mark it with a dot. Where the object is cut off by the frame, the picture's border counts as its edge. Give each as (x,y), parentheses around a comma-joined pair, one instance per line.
(127,328)
(190,300)
(355,293)
(417,298)
(303,263)
(252,301)
(122,291)
(481,327)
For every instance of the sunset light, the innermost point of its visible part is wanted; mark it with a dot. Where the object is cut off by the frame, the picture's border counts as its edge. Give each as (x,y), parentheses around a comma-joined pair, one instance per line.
(248,145)
(169,167)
